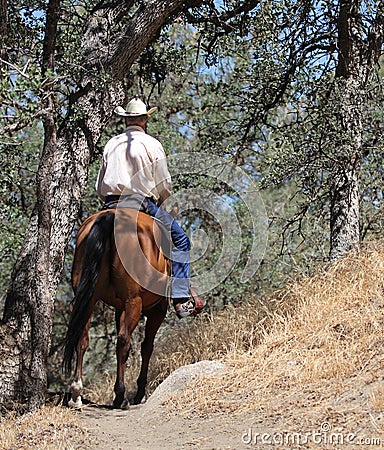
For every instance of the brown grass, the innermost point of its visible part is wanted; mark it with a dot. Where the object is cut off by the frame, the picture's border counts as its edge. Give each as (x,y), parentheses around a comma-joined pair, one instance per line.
(101,390)
(51,428)
(377,399)
(335,332)
(211,337)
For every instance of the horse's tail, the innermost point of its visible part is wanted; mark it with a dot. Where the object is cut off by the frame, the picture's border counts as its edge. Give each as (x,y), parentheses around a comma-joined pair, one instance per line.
(94,251)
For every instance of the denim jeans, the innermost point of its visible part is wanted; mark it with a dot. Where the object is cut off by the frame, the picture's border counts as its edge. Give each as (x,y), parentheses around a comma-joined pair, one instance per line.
(180,251)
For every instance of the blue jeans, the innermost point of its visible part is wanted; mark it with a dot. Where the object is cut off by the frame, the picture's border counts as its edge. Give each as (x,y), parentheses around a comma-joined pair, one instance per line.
(180,251)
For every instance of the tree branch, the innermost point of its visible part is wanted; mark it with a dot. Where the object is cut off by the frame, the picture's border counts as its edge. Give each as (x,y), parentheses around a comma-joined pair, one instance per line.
(376,37)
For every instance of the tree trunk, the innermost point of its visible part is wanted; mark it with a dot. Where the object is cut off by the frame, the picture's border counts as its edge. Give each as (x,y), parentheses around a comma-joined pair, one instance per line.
(42,306)
(344,205)
(31,276)
(356,59)
(26,326)
(3,26)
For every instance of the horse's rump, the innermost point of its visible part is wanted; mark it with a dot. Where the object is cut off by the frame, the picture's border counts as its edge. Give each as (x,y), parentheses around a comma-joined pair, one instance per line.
(134,261)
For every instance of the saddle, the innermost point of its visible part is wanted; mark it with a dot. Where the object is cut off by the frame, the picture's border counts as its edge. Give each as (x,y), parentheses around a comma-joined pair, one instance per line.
(132,201)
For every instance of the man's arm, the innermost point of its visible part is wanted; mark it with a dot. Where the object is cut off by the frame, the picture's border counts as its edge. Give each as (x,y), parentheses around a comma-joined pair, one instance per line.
(162,179)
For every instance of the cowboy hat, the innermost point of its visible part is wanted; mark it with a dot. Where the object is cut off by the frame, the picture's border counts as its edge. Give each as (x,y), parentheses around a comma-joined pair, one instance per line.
(134,108)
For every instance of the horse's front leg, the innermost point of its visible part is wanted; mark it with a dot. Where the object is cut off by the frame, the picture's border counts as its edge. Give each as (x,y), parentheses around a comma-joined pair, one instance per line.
(126,322)
(77,384)
(155,318)
(121,355)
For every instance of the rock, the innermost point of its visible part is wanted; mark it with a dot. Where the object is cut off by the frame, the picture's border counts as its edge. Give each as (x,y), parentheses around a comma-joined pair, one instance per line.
(181,378)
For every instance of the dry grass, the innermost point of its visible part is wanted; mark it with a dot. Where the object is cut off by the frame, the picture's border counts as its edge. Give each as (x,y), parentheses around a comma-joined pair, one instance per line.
(335,332)
(100,391)
(210,337)
(326,327)
(377,399)
(51,428)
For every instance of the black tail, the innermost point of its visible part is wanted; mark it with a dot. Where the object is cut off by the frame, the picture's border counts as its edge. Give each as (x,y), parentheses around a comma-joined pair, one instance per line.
(97,237)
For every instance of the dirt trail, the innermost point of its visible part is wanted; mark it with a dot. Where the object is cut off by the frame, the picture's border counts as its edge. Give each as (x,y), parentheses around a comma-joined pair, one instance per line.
(142,428)
(290,426)
(153,426)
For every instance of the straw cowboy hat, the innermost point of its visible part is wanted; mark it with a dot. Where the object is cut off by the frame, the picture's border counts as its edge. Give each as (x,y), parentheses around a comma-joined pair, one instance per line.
(134,108)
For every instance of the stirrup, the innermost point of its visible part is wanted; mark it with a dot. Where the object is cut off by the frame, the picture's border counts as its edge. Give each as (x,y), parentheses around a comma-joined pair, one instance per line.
(185,309)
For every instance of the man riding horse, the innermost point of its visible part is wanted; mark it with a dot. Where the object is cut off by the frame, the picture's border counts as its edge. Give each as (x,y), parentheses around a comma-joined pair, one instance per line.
(134,167)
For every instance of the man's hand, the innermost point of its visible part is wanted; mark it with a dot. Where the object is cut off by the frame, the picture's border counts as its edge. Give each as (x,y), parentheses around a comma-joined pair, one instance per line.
(175,210)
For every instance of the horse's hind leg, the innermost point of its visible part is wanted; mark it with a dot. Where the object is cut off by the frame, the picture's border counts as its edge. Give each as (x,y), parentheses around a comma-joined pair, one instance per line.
(126,322)
(119,390)
(155,318)
(77,384)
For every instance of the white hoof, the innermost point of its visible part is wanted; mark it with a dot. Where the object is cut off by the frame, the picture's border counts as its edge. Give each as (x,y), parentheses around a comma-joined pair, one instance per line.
(77,404)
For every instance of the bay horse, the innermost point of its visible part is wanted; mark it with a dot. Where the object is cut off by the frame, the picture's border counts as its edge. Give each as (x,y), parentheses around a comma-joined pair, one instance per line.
(119,261)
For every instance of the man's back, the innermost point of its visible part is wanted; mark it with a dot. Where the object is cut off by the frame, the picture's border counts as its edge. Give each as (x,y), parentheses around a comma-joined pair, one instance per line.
(134,162)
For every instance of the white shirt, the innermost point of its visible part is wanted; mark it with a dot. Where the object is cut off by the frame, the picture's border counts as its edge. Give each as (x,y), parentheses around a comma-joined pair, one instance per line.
(134,163)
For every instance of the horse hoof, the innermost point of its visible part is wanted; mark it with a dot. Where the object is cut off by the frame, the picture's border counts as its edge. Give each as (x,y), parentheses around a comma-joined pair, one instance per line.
(120,404)
(77,404)
(125,405)
(139,400)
